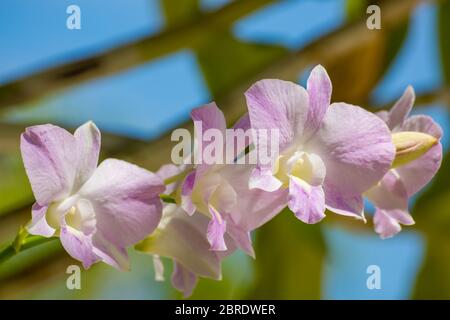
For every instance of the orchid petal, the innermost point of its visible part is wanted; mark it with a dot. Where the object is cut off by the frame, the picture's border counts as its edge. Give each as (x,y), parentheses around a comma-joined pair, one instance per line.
(280,105)
(401,109)
(389,193)
(50,157)
(110,253)
(343,203)
(88,141)
(357,150)
(254,207)
(416,174)
(78,245)
(39,225)
(262,178)
(126,201)
(306,201)
(216,231)
(183,280)
(183,238)
(319,88)
(186,193)
(387,222)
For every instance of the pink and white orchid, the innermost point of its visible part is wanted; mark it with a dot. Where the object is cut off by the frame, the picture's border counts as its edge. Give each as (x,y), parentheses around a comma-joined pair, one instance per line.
(390,196)
(329,154)
(183,239)
(220,191)
(96,211)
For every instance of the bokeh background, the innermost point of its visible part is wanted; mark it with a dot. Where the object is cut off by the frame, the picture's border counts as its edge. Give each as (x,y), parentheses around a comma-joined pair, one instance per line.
(137,67)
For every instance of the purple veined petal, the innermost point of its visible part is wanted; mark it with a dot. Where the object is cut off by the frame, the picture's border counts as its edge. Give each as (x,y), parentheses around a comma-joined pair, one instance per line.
(389,193)
(50,157)
(183,280)
(126,201)
(88,140)
(241,237)
(319,88)
(183,238)
(346,204)
(254,207)
(159,268)
(39,225)
(306,201)
(78,246)
(210,116)
(110,253)
(387,222)
(281,105)
(357,150)
(418,173)
(216,230)
(186,193)
(401,109)
(422,123)
(262,178)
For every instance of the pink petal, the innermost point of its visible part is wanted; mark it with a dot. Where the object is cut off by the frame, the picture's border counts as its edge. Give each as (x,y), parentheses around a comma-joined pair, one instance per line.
(262,178)
(183,280)
(417,174)
(78,246)
(183,238)
(110,253)
(277,104)
(88,141)
(387,222)
(241,237)
(216,231)
(210,116)
(343,203)
(126,201)
(50,157)
(254,207)
(400,111)
(319,89)
(306,201)
(389,193)
(39,225)
(186,193)
(357,150)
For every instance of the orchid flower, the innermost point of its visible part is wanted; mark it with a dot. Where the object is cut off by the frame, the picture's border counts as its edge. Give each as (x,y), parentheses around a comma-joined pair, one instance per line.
(182,238)
(221,191)
(96,211)
(390,196)
(329,154)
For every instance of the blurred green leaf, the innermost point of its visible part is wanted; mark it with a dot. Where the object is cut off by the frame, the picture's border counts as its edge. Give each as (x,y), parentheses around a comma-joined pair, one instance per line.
(226,61)
(289,260)
(444,36)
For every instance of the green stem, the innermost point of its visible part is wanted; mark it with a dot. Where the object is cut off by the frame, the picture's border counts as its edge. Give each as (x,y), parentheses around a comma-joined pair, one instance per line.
(27,242)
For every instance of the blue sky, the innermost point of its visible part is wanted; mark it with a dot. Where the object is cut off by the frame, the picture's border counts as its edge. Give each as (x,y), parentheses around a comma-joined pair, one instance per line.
(148,100)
